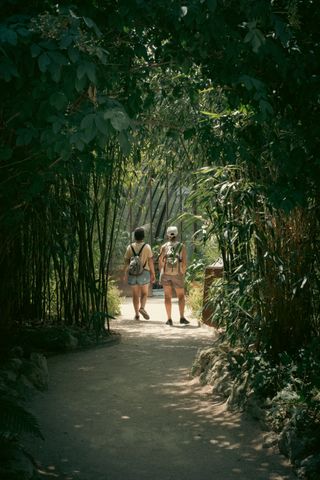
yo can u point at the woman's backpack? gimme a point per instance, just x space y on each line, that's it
172 258
135 264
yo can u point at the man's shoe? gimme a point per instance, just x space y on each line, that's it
169 322
184 321
144 313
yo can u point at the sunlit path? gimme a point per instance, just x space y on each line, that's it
133 412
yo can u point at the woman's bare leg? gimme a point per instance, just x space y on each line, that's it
136 292
144 295
167 299
181 300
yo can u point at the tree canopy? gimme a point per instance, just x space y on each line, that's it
81 82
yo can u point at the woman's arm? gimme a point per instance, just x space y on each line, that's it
126 266
125 272
151 268
161 260
183 259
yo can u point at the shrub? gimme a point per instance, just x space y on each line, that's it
114 299
195 299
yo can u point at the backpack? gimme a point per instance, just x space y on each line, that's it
172 258
135 265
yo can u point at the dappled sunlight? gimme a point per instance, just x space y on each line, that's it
136 406
155 328
210 423
46 472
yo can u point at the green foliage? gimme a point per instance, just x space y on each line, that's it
15 421
114 299
195 270
231 87
15 462
195 299
291 386
269 295
228 87
64 144
73 92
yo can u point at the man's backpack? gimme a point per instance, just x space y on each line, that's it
135 266
172 258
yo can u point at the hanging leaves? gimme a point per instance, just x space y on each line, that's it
118 118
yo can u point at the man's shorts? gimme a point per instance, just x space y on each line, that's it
176 281
142 279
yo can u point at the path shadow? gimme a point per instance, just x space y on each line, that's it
185 327
134 412
153 322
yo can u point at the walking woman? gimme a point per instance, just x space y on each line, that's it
139 272
173 265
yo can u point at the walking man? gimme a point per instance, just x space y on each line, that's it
139 272
173 265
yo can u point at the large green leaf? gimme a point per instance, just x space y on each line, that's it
44 61
254 36
35 50
8 35
81 83
212 5
58 100
24 136
251 83
58 58
91 24
101 123
89 129
74 54
118 118
78 140
66 41
88 121
55 70
8 70
5 153
124 143
87 69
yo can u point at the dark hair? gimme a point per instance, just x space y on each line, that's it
139 234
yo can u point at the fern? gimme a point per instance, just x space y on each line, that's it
16 420
15 462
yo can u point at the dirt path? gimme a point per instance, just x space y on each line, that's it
132 412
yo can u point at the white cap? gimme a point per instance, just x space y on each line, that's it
172 231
